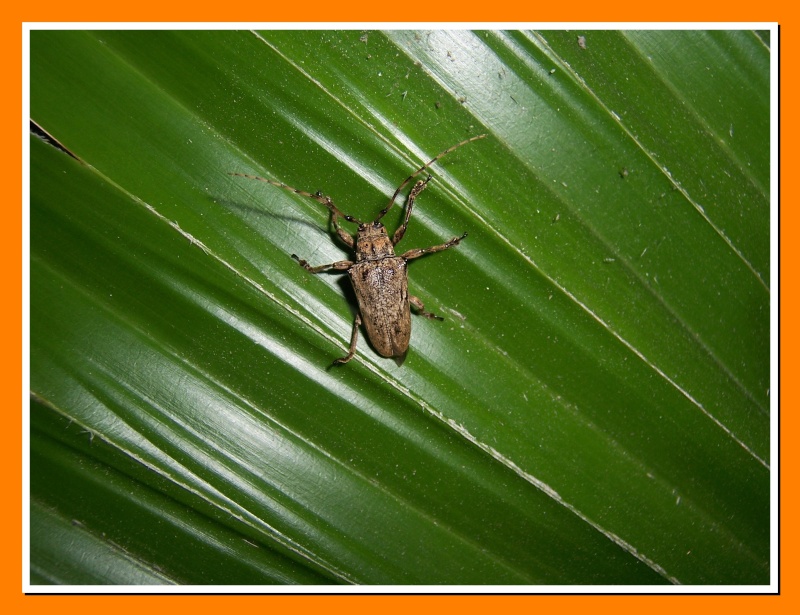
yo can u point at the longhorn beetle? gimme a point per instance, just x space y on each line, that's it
379 277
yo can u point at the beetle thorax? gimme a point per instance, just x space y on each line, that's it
372 242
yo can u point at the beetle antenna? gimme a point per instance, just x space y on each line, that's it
385 210
318 196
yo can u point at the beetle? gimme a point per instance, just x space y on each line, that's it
378 275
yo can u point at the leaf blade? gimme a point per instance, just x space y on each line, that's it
572 433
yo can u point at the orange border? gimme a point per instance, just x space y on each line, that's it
360 10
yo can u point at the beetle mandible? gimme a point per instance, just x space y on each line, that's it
378 275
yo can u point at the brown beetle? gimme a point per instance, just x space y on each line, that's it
379 276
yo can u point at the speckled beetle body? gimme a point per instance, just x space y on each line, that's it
378 275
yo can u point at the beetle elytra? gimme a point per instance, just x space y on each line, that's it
378 275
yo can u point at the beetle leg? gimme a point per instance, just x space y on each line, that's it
353 341
418 187
415 301
423 251
338 265
346 237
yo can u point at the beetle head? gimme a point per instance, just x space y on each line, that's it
372 242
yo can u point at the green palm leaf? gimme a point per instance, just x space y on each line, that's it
594 408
